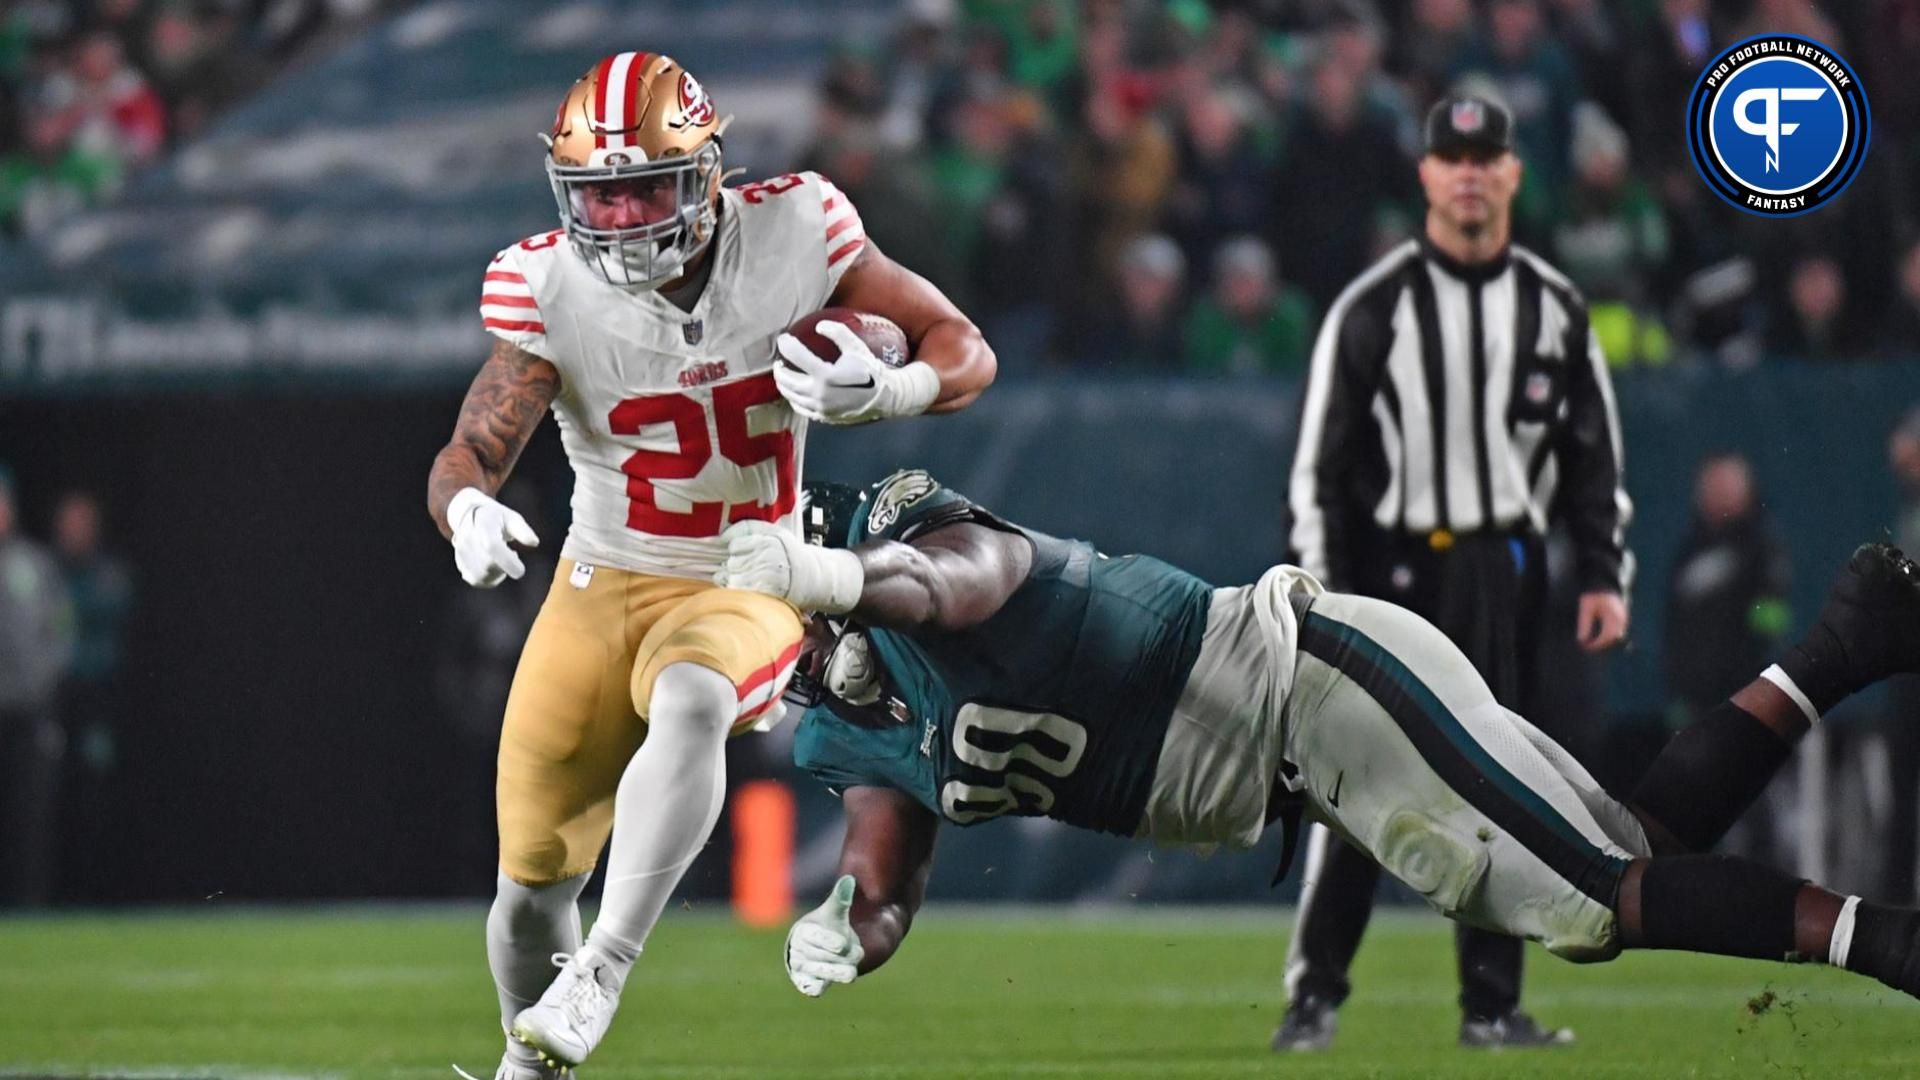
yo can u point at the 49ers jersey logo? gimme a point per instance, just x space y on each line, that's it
696 108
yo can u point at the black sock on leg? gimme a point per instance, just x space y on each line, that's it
1718 904
1709 773
1886 945
1818 666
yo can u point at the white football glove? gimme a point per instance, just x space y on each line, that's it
854 388
822 947
484 532
767 558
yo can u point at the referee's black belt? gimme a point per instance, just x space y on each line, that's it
1439 540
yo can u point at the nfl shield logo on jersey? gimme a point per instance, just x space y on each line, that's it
1539 387
694 331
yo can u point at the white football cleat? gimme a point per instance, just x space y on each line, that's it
516 1070
573 1015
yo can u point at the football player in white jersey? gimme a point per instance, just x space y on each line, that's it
650 324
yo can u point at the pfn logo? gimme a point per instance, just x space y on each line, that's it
1770 128
1778 125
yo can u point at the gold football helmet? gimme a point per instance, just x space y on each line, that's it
638 126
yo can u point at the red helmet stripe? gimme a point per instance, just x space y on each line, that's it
634 75
620 106
598 121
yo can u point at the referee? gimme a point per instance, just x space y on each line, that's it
1457 403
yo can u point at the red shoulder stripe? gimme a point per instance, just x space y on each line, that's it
534 325
505 275
508 301
847 249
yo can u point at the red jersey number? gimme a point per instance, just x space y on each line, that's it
753 193
689 419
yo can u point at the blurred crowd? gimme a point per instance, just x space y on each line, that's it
63 616
91 90
1182 185
1176 185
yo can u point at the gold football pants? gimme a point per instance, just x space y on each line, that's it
577 710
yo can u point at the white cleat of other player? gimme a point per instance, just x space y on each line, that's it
573 1015
515 1070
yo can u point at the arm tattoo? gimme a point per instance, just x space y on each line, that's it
504 407
502 410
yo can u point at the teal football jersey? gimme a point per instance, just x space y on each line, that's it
1056 706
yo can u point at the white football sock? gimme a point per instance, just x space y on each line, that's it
1842 941
668 800
528 924
1778 677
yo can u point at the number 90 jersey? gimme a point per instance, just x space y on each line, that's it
670 418
1058 705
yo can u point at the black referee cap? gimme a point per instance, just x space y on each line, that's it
1463 124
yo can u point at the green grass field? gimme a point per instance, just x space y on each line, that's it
381 992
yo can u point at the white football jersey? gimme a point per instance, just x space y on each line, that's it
671 419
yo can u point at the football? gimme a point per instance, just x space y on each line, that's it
881 334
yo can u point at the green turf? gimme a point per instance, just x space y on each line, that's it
399 993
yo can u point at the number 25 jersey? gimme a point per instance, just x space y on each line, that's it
671 419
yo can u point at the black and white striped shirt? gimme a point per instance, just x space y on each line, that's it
1459 398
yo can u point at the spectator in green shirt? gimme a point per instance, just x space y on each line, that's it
1251 323
967 171
1611 239
1042 37
53 178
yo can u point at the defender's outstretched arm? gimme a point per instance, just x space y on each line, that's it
951 578
889 853
884 863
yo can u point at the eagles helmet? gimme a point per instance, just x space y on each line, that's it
638 118
827 511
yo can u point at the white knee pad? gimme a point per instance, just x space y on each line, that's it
1579 929
691 699
1433 859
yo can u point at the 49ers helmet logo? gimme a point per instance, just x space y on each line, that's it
696 108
